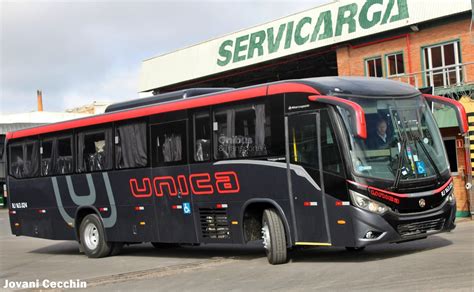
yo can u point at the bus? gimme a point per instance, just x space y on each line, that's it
282 165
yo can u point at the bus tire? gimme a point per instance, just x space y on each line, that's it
274 237
92 236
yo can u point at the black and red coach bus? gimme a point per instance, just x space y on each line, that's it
299 162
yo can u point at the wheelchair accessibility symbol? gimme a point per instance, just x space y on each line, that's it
187 208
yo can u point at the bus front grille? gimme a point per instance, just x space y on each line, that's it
406 230
214 223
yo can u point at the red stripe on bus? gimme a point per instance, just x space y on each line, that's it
290 87
457 104
359 112
163 108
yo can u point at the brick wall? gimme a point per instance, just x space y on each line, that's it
350 60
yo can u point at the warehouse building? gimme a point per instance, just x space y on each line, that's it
426 43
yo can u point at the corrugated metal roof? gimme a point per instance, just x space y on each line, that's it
4 128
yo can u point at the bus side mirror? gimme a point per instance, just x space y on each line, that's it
359 126
458 109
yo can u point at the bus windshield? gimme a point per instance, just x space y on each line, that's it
403 140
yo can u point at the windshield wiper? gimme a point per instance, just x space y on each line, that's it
430 159
398 175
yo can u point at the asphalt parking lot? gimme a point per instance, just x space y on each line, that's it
441 262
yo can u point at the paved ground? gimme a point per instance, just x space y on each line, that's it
441 262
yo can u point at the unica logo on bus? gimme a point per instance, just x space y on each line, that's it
350 18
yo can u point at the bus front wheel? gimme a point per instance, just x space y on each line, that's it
274 238
92 236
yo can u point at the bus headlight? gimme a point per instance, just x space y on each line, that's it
365 203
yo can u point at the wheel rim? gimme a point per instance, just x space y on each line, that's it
91 236
267 243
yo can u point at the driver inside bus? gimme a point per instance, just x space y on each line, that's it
380 139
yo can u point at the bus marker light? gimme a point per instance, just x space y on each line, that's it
12 212
341 203
142 223
341 222
310 204
177 207
42 211
139 208
103 209
235 222
17 224
221 206
70 224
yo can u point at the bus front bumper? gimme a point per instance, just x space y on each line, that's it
371 228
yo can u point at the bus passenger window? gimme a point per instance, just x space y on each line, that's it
169 143
64 160
131 145
46 152
240 131
31 167
16 160
202 137
24 160
94 150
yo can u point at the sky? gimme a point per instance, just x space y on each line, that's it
78 52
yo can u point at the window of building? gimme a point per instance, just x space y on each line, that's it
202 136
450 146
240 131
443 64
395 64
24 159
131 145
94 150
169 143
373 67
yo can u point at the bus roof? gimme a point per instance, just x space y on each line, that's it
363 86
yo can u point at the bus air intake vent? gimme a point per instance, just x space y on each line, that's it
411 229
214 223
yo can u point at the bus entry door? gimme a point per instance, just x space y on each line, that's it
306 184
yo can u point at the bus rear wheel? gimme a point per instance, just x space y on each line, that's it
92 237
274 238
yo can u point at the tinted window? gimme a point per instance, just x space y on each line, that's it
169 143
303 140
202 136
450 145
131 145
24 160
241 131
46 157
16 160
64 159
94 150
330 153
